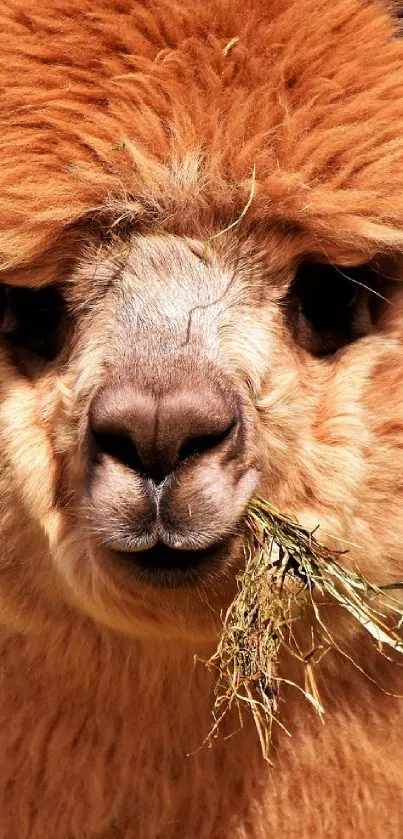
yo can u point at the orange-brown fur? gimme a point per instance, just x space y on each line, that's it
135 127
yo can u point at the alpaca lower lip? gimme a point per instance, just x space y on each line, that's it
166 566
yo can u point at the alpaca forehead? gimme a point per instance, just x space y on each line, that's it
165 275
153 276
169 297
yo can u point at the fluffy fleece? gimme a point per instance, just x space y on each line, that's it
116 114
155 109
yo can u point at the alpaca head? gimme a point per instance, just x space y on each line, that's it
151 383
169 383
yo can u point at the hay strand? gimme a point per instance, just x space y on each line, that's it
286 569
237 221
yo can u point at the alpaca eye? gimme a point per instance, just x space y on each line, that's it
330 306
32 321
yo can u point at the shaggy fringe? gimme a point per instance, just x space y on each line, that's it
121 112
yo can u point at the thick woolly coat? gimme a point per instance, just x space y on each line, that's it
117 113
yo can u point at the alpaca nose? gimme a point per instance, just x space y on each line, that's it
153 434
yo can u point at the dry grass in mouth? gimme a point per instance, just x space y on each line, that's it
286 568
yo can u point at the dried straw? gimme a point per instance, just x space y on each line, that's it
286 569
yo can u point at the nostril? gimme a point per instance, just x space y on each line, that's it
152 433
118 446
199 444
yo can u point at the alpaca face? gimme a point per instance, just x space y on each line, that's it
169 385
148 386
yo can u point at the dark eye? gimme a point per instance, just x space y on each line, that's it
33 321
330 306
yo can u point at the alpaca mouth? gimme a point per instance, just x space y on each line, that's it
171 567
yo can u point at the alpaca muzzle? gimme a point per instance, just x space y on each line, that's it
168 472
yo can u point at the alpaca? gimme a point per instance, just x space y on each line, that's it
200 253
